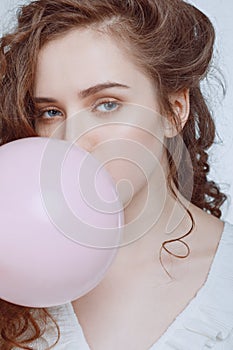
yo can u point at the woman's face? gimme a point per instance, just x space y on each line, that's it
88 91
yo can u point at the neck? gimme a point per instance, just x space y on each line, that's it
153 216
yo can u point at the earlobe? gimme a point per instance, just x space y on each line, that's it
180 103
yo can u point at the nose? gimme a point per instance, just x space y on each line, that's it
79 130
85 143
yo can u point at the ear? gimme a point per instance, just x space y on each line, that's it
180 103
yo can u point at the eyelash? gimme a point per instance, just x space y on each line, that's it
104 102
94 108
40 114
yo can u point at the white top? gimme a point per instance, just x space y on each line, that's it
206 323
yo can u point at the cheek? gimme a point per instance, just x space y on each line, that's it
130 155
55 129
128 176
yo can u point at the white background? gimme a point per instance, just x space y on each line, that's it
220 12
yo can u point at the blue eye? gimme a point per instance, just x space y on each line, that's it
48 114
51 113
106 107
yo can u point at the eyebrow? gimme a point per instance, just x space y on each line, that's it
87 92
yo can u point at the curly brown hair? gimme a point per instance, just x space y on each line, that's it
170 40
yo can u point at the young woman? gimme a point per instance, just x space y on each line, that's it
123 78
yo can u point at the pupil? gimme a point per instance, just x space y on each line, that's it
109 105
52 112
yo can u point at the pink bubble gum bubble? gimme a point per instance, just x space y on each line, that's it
61 222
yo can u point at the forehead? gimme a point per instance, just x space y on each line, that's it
85 53
81 59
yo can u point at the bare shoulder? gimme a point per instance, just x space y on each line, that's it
205 220
208 230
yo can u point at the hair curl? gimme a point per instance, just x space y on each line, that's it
170 40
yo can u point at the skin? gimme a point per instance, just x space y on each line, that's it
122 311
